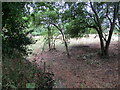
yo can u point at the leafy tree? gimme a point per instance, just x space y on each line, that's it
100 16
17 71
75 17
104 14
49 16
14 37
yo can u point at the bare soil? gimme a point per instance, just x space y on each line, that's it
84 69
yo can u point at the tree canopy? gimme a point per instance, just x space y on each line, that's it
23 20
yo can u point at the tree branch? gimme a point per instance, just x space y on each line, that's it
108 16
57 27
93 18
115 15
97 18
100 32
104 37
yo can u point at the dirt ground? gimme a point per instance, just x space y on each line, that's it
84 69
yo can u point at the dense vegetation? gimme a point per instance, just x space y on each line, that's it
17 71
21 21
75 20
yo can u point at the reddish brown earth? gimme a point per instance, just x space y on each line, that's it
85 69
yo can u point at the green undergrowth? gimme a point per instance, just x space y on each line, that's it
20 73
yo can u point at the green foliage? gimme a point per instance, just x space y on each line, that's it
76 20
73 19
19 73
74 29
81 85
14 36
116 31
92 31
30 85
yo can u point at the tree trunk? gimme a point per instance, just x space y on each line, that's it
108 43
99 30
49 38
54 45
66 46
101 43
63 36
106 51
116 8
105 48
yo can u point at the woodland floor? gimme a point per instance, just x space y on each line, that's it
85 69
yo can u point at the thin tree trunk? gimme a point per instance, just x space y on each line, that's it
54 41
49 38
99 30
101 42
116 8
66 46
63 36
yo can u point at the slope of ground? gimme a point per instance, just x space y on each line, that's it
85 69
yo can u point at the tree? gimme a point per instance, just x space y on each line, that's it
99 16
102 12
75 19
50 16
17 71
64 39
49 37
14 37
